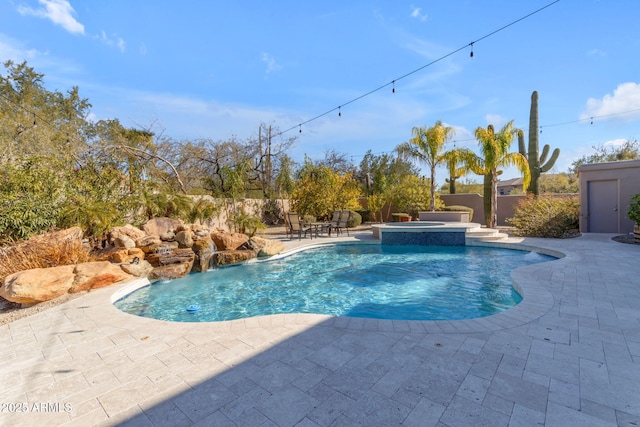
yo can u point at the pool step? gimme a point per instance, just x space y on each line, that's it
477 235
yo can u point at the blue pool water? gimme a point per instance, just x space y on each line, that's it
373 281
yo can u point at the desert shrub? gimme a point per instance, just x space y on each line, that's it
355 219
545 216
459 208
247 224
55 253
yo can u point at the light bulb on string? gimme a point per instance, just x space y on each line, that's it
393 89
300 128
339 112
471 53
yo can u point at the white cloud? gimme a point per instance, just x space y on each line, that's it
271 63
624 104
417 13
112 41
59 12
615 142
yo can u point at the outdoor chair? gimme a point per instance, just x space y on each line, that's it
297 226
333 224
342 223
287 226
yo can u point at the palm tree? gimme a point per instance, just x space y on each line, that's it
495 152
457 162
427 145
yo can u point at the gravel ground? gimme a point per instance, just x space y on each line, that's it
10 311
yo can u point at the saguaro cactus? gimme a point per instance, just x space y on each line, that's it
537 163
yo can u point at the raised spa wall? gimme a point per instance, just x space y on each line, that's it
449 216
422 233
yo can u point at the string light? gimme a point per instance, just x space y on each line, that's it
392 83
339 112
393 89
471 53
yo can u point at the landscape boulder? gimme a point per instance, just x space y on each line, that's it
184 238
94 275
161 226
203 250
266 247
142 268
232 257
38 284
134 233
171 264
226 241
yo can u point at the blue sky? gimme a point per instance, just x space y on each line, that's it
215 69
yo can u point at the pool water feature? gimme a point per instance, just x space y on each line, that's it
373 281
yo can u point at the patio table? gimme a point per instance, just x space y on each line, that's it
318 227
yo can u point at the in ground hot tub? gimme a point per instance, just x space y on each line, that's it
422 233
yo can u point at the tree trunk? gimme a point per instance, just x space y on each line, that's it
487 199
432 202
494 199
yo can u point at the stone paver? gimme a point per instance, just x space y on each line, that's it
569 354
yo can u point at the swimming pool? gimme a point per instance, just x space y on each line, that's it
374 281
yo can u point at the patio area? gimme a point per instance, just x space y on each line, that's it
569 354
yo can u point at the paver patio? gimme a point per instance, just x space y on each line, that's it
568 355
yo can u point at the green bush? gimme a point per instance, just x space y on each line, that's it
459 208
545 216
355 219
634 209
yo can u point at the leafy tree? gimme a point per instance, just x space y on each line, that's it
427 145
338 162
31 199
412 194
495 155
629 150
378 175
377 172
35 121
559 183
319 191
284 180
467 187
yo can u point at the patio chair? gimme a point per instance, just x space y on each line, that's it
333 224
287 226
296 226
342 223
